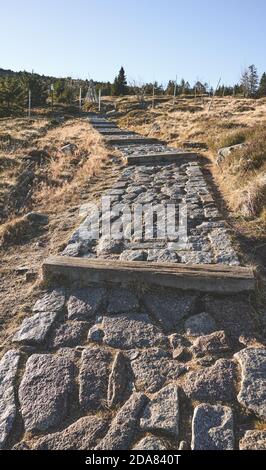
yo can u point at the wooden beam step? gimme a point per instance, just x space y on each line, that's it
99 125
115 132
205 278
160 158
130 141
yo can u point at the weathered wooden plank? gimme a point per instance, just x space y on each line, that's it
160 158
204 278
131 141
103 124
115 131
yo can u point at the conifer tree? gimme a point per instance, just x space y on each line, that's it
253 80
249 81
12 96
262 86
120 83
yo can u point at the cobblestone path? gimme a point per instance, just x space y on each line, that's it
160 185
123 366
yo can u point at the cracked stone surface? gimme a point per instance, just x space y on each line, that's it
131 331
84 303
36 328
94 374
153 367
82 435
122 301
215 343
231 315
118 384
8 372
51 302
212 428
200 324
45 391
69 334
150 443
215 383
162 412
169 308
123 429
252 393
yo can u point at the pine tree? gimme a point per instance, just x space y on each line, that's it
262 85
249 81
38 88
170 88
244 81
253 80
120 83
12 96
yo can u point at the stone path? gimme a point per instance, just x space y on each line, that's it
139 367
177 183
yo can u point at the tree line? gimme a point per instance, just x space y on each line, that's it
15 86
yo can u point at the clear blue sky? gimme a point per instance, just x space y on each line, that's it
152 39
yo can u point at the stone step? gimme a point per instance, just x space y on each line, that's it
204 278
160 158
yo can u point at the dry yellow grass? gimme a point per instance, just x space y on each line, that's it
58 181
66 173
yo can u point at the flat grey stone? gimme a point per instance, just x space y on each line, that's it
225 152
109 246
162 412
118 384
51 302
215 343
122 300
96 333
253 440
150 443
252 393
74 249
196 257
45 391
83 434
133 255
153 367
93 378
200 324
131 331
233 315
180 346
163 256
84 303
123 429
177 340
69 334
215 383
212 428
169 308
34 330
8 372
